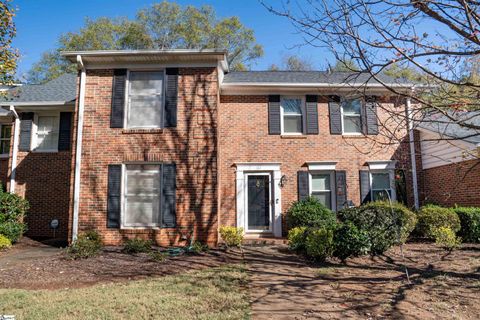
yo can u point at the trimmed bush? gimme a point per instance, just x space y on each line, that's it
446 238
5 243
470 223
13 230
310 213
386 225
87 245
296 238
319 243
198 247
137 246
232 236
432 217
349 241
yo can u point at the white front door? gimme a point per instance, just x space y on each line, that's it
258 202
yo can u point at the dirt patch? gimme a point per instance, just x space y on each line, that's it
32 265
442 286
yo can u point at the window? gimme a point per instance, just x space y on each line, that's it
46 132
145 99
292 119
5 135
351 116
321 188
381 187
142 196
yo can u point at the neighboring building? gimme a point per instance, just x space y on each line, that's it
451 160
171 142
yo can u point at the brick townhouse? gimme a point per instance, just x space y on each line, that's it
164 144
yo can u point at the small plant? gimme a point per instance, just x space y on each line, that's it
137 246
446 238
232 236
5 243
470 223
13 209
432 217
87 245
198 247
319 243
310 213
296 238
349 241
158 256
13 230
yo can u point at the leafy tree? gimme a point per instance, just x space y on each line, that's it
8 56
163 25
293 63
345 65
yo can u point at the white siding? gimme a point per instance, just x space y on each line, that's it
437 152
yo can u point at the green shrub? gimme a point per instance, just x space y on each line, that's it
198 247
137 246
5 243
470 223
296 238
446 238
232 236
432 217
13 230
319 243
349 241
386 225
158 256
87 245
310 213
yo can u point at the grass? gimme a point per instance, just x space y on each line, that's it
217 293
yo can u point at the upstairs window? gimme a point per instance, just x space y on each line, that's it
46 132
351 116
145 99
381 186
292 115
5 135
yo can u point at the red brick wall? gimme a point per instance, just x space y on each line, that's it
456 183
191 145
243 137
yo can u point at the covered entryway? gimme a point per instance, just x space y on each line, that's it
259 198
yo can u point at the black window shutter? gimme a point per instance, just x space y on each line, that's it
26 120
365 194
371 121
303 185
311 107
171 97
274 126
334 109
64 136
114 195
168 200
341 188
118 98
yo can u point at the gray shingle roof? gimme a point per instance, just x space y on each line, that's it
61 89
445 127
306 77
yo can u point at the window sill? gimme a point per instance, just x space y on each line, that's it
354 136
142 131
4 156
293 136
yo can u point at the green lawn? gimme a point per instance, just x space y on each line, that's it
218 293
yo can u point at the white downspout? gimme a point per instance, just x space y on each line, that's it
78 150
412 150
16 134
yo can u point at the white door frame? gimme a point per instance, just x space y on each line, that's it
243 169
270 202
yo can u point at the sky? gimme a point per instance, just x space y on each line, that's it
40 23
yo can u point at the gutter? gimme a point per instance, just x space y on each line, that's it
78 150
412 150
16 135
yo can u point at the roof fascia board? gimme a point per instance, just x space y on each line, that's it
36 103
93 66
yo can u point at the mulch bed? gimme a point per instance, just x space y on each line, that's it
55 271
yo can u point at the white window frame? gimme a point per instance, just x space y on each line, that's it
302 109
123 201
34 142
362 101
6 155
391 175
333 198
127 100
